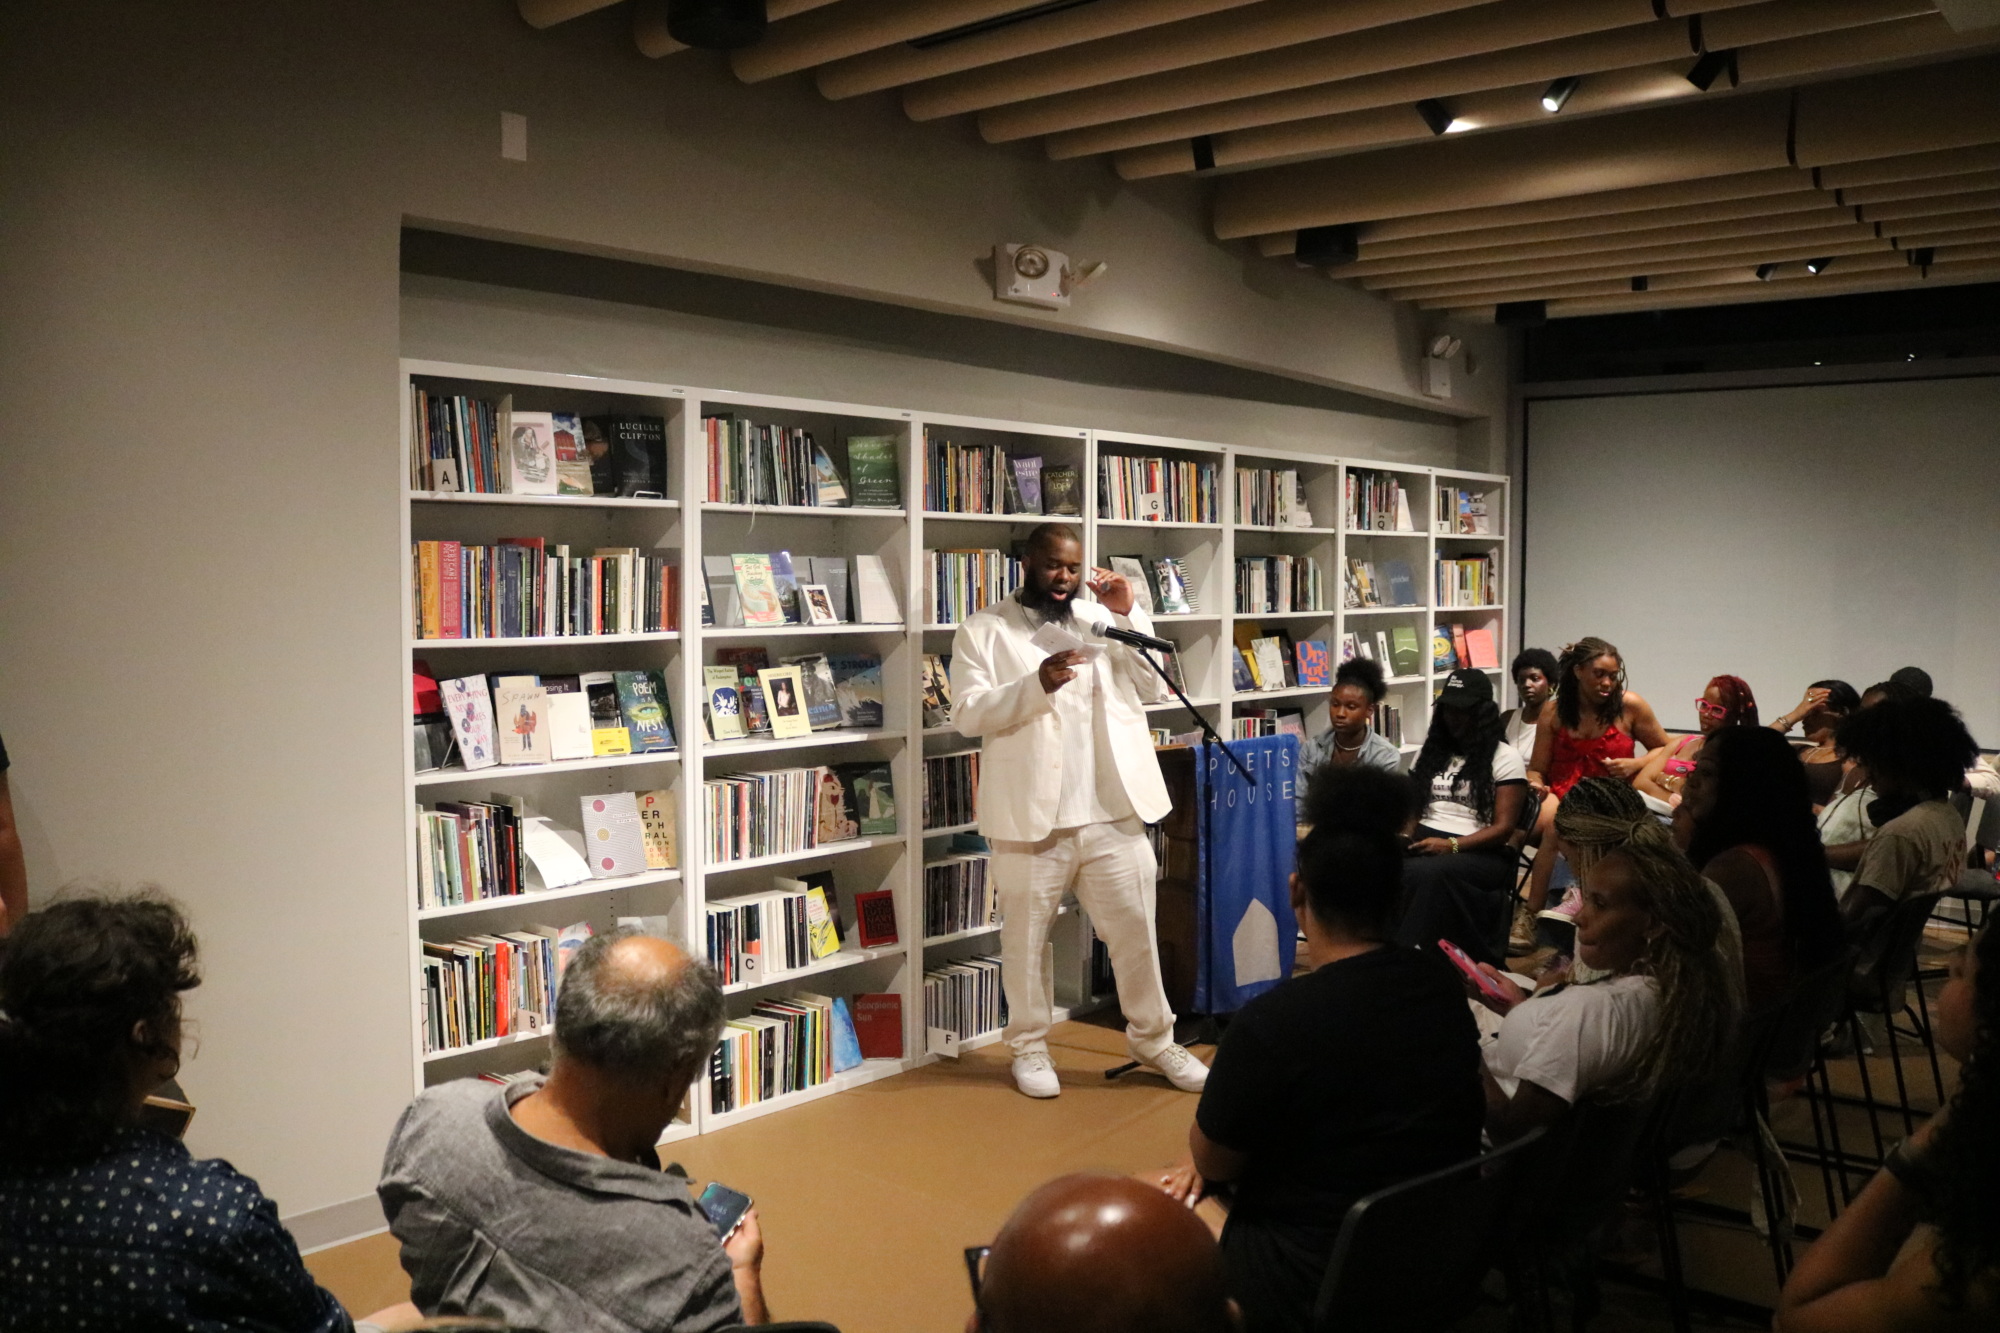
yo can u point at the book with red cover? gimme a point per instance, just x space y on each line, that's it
451 591
1480 643
875 918
878 1026
1458 645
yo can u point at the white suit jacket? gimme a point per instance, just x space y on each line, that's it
997 695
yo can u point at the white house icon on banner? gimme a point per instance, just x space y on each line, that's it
1255 945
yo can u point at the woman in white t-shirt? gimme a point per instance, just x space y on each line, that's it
1458 883
1667 1008
1534 672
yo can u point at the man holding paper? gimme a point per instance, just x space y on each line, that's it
1069 782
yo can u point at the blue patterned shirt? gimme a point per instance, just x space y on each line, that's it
144 1237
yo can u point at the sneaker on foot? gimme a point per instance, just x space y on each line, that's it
1565 911
1521 936
1035 1075
1179 1066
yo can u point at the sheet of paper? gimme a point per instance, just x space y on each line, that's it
1053 639
552 857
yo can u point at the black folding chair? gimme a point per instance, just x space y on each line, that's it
1884 987
1412 1256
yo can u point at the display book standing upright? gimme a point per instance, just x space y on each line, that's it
683 525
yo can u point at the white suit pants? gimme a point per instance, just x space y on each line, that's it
1110 868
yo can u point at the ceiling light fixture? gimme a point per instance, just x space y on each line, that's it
1764 272
1923 256
1435 114
716 25
1818 266
1444 345
1558 93
1710 67
1639 284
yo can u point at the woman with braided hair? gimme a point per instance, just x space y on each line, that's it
1664 1006
1593 733
1919 1248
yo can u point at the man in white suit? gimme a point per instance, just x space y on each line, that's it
1069 781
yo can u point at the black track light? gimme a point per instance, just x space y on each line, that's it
1639 284
1709 67
1923 256
1764 272
1521 314
1328 247
1558 93
715 25
1818 266
1435 115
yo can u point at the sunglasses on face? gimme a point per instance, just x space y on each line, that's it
1714 710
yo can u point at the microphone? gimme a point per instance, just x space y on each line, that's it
1132 638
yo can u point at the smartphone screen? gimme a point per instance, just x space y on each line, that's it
1472 972
724 1207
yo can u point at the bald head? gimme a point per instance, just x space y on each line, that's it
637 1007
1051 536
1104 1254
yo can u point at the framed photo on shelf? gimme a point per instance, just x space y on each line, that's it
785 701
818 600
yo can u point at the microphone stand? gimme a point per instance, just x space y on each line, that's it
1207 822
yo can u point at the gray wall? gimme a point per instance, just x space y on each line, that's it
199 231
1778 534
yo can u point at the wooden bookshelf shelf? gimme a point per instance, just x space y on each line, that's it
452 777
684 528
549 895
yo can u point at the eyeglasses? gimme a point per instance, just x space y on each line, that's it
975 1272
1714 710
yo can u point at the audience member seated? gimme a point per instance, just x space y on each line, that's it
1534 673
1667 1010
1459 881
1601 815
1727 702
1820 713
1747 823
1915 752
103 1224
1980 778
1360 1074
542 1202
1350 738
1593 733
1100 1254
1919 1248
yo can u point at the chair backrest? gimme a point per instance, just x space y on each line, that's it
1412 1256
1889 959
1815 1003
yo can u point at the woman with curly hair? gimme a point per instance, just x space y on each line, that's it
1919 1248
1350 740
1664 1009
1727 702
1593 733
1460 875
1747 821
90 1023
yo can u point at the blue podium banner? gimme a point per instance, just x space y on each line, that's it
1248 935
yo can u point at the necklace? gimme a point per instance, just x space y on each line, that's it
1348 749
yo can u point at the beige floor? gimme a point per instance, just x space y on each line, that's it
867 1198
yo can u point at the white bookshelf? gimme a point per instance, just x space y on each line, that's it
687 526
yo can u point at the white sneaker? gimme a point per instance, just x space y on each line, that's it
1035 1075
1179 1066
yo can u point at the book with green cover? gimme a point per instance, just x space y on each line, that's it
1060 493
871 467
642 697
757 589
1404 653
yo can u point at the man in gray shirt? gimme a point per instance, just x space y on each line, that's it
542 1203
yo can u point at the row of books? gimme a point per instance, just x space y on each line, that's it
753 938
1271 498
757 588
796 809
476 446
1389 722
959 895
1272 661
521 586
951 789
1461 513
1157 489
1395 647
1455 646
746 696
475 851
786 465
782 1045
1467 581
959 583
1160 584
965 997
487 986
1390 584
988 479
1272 583
467 722
1377 502
1251 723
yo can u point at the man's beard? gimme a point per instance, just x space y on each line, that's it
1052 610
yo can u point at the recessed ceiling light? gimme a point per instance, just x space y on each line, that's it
1559 93
1435 114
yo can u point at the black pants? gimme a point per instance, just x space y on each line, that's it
1464 897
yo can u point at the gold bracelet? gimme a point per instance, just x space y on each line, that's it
1454 845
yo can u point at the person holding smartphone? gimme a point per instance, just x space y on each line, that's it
1069 782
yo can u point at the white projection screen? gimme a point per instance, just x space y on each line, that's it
1780 534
